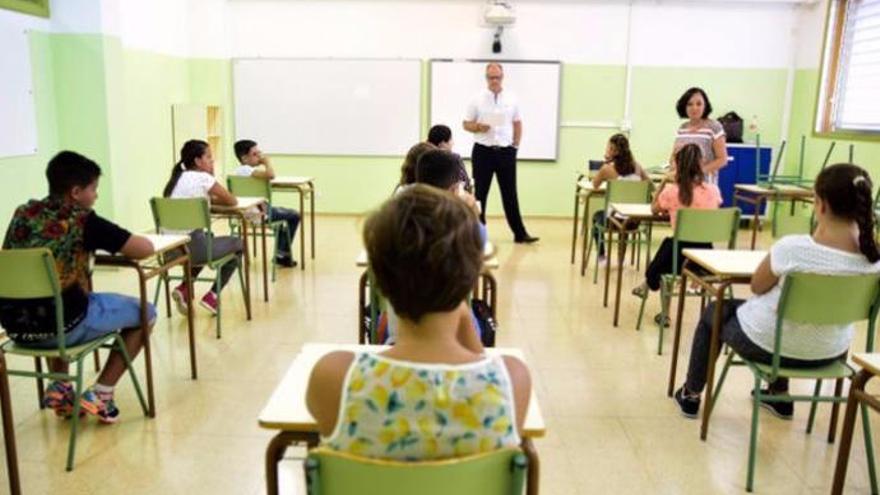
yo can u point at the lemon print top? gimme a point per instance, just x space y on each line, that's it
400 410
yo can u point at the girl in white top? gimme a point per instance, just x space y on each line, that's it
435 394
842 244
193 177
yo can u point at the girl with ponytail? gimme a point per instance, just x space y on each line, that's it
842 244
193 177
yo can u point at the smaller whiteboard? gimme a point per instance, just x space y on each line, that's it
454 84
328 106
18 120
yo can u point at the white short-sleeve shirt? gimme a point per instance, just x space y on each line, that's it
193 184
757 316
244 170
499 111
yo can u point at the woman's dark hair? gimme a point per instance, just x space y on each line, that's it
191 150
681 106
439 134
846 189
438 168
624 163
69 169
430 233
408 169
243 147
688 172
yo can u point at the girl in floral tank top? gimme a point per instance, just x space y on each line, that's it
434 394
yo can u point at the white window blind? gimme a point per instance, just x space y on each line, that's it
857 102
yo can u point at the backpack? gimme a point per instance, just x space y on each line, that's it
733 127
488 326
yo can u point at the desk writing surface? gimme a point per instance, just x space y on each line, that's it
737 263
244 203
868 361
587 185
286 409
161 243
633 210
290 180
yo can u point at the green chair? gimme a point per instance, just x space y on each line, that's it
30 274
258 188
692 225
620 191
496 473
819 300
188 214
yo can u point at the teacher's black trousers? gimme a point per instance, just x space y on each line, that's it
501 161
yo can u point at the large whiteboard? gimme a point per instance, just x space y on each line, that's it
454 85
328 106
18 121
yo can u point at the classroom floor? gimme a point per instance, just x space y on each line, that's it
611 428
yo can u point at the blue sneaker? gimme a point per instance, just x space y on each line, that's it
101 406
59 397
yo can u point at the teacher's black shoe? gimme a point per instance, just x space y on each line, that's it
526 240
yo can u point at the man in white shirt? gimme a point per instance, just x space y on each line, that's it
494 119
254 164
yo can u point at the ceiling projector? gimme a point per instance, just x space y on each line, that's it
499 13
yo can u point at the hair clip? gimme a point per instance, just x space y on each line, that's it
859 179
182 167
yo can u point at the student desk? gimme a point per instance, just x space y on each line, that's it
149 267
8 429
620 214
486 288
756 195
238 212
870 364
286 411
304 186
583 192
714 270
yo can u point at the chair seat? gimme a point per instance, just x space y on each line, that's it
11 347
837 369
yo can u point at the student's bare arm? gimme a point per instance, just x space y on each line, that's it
267 173
475 127
137 247
325 389
521 382
763 279
220 196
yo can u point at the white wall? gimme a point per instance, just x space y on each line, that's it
667 33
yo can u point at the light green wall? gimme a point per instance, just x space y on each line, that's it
867 151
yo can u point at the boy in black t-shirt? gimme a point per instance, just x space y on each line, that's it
65 223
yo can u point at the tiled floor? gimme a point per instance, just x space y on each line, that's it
611 428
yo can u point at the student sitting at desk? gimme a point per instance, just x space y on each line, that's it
619 165
690 190
842 244
408 169
66 224
441 136
193 177
435 394
250 158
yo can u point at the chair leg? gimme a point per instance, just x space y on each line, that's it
38 366
8 430
244 290
753 436
813 406
97 357
74 419
665 300
120 345
835 410
869 449
156 293
641 312
165 282
219 298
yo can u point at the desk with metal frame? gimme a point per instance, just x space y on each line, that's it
758 196
304 186
239 212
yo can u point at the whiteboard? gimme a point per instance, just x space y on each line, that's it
328 107
18 120
454 84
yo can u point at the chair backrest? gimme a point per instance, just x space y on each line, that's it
495 473
30 274
628 191
249 187
702 225
181 213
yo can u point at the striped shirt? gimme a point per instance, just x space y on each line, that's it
704 135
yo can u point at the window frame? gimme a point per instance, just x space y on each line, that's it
829 77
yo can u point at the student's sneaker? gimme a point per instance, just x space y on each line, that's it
285 261
641 291
209 302
179 295
688 405
666 321
782 410
110 413
59 397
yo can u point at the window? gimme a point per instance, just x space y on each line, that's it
849 98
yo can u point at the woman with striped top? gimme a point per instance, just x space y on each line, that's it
699 129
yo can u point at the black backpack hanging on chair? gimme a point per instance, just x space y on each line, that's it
733 127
